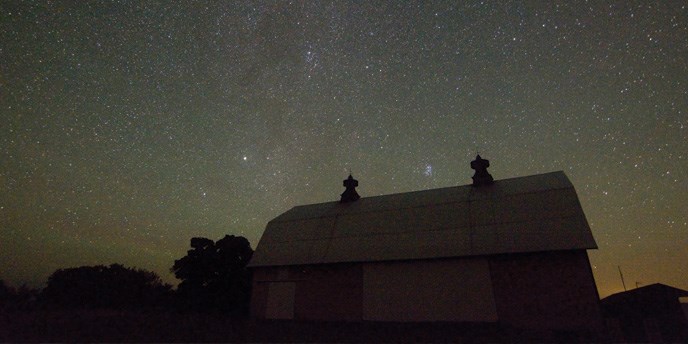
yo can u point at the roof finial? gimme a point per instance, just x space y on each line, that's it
481 176
350 194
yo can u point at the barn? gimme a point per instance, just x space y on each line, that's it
509 251
656 313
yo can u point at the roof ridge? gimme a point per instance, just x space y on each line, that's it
496 182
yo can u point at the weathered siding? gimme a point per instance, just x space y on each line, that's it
313 292
259 292
429 290
546 290
329 292
425 290
280 300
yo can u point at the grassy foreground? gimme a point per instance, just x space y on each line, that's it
166 326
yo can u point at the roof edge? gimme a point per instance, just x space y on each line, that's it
473 256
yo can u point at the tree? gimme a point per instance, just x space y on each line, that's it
23 298
214 275
99 286
6 292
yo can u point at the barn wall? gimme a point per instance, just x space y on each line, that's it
329 292
428 290
552 290
280 300
308 292
259 291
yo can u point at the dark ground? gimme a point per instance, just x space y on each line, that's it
153 326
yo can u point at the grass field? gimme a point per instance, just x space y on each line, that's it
165 326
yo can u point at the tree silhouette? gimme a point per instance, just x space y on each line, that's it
6 292
99 286
214 275
23 298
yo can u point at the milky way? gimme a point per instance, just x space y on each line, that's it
130 127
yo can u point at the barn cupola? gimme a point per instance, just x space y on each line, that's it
481 176
350 194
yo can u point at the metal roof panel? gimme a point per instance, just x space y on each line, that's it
527 214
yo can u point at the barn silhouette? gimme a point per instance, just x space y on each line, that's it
509 251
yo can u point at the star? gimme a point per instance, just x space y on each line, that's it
193 121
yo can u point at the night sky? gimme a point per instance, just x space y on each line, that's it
129 127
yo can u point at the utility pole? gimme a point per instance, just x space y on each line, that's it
622 279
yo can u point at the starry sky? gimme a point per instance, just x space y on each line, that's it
129 127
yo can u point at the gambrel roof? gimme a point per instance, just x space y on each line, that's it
526 214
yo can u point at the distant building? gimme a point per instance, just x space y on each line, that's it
653 313
509 251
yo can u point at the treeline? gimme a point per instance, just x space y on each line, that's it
213 276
